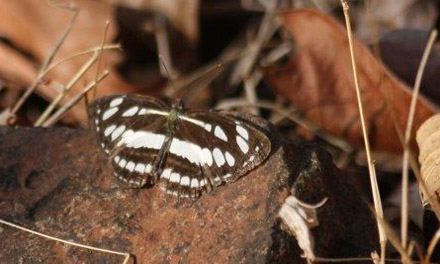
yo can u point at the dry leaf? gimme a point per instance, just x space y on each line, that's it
428 139
300 217
37 32
318 80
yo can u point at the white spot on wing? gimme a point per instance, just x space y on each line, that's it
187 150
148 168
143 139
116 159
140 167
242 131
244 147
165 174
122 163
218 157
185 181
208 127
218 132
230 159
194 183
131 111
109 130
116 101
227 176
109 113
117 132
143 111
202 182
206 156
175 177
130 166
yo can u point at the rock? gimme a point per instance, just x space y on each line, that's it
57 181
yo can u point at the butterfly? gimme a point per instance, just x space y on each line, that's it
187 151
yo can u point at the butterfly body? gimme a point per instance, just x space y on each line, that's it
187 151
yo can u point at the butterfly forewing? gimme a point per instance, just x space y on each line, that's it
122 123
203 149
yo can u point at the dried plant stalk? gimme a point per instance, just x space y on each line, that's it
126 255
409 126
371 169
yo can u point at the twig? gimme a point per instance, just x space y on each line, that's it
409 126
92 50
373 179
394 240
250 86
126 255
431 246
244 67
62 110
44 66
307 124
69 85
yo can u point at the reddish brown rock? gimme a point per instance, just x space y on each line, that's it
56 181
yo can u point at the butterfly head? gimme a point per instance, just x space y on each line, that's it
178 104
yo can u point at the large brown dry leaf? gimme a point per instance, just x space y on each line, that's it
318 80
34 26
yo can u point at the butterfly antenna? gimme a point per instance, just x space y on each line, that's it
170 80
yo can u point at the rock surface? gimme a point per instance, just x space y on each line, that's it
56 181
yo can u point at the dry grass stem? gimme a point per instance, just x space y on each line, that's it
44 66
62 110
394 239
409 126
82 53
373 179
267 29
431 246
126 255
250 89
292 116
69 85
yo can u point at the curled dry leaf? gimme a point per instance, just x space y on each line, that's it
300 217
428 139
318 80
37 32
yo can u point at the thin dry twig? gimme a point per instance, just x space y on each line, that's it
45 65
267 28
409 126
62 110
69 85
250 86
126 255
92 50
393 238
292 116
431 246
373 179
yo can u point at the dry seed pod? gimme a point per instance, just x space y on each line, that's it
428 139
